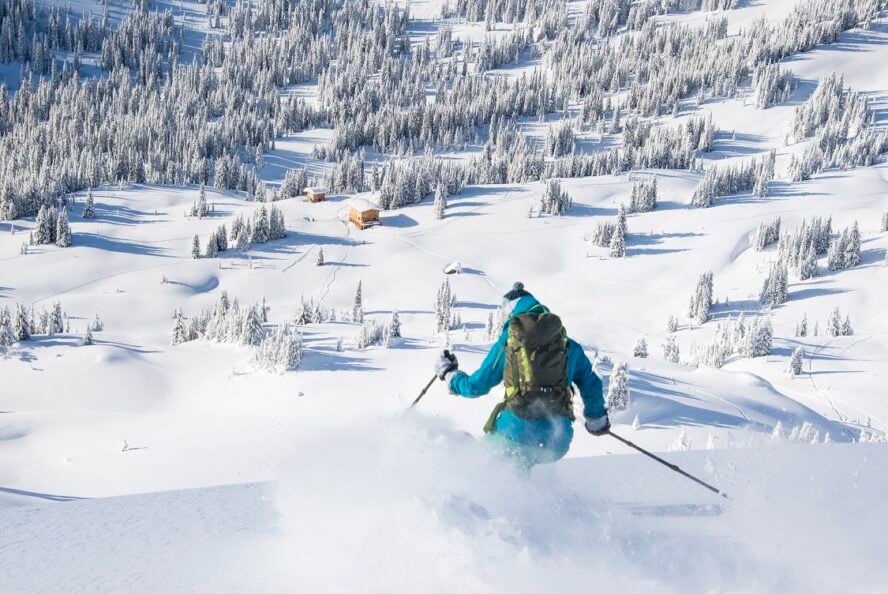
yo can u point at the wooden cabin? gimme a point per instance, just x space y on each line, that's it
363 213
316 194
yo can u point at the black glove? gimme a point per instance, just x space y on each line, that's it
446 363
598 426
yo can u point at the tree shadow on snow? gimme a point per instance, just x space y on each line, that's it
100 242
331 360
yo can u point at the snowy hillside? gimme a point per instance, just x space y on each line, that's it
176 316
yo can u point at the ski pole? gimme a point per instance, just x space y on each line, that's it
667 464
424 390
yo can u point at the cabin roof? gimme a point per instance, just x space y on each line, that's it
362 204
316 190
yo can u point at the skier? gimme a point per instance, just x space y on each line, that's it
538 364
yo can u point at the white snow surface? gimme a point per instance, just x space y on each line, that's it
407 504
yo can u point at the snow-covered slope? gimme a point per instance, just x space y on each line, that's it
399 505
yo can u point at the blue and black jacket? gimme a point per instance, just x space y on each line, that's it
554 434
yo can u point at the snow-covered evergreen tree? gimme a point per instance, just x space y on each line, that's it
758 338
320 259
618 243
179 334
554 200
618 388
795 362
670 349
440 201
643 197
251 328
834 323
357 311
847 329
21 326
394 326
63 229
195 247
767 234
7 336
202 209
444 307
701 300
775 289
802 326
641 349
89 209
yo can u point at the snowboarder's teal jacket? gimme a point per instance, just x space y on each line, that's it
552 435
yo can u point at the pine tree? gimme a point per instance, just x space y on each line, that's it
775 288
670 349
320 259
618 243
852 248
394 326
847 330
195 247
795 363
63 230
21 327
212 248
440 201
7 336
251 329
56 323
671 325
802 328
618 388
358 305
202 203
443 307
260 225
834 323
87 337
244 239
701 301
89 209
641 349
179 334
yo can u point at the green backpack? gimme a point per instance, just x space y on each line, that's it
535 372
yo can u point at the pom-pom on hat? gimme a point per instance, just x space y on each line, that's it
517 292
